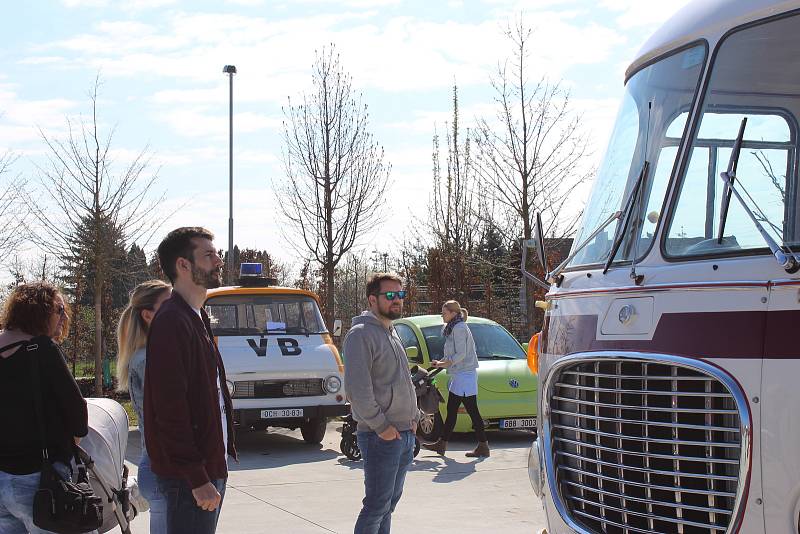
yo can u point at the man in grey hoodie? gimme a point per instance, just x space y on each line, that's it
382 400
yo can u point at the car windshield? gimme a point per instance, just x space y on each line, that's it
492 342
241 315
653 110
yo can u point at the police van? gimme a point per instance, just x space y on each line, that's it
282 367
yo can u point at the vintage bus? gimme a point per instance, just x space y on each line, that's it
669 395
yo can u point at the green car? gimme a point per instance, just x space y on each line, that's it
506 387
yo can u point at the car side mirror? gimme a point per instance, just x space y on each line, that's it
412 353
525 347
337 328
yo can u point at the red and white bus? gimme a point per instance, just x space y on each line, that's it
669 360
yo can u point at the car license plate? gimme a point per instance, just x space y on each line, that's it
285 412
529 422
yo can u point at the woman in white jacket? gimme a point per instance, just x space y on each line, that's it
461 362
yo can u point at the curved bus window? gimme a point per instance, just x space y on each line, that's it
754 76
657 99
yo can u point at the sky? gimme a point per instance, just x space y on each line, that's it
162 87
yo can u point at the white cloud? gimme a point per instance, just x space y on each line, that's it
199 122
635 13
84 3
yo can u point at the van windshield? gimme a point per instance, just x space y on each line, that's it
242 315
655 105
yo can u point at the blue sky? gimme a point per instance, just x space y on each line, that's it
162 84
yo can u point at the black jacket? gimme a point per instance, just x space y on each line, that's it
64 408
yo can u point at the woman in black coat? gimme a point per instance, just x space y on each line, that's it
34 314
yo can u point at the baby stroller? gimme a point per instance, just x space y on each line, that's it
428 399
103 452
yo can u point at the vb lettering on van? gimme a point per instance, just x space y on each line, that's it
288 346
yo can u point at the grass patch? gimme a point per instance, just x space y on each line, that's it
133 420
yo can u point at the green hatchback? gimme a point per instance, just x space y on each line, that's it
506 387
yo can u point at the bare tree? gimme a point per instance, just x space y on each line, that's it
336 177
529 156
14 214
454 212
89 209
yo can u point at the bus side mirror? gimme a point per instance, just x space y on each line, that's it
412 353
538 242
337 328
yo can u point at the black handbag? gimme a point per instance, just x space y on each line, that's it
61 506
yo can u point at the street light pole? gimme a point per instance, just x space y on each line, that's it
230 70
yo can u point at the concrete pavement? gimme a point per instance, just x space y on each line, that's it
282 485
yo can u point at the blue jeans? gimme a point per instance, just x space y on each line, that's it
385 466
148 485
183 514
16 501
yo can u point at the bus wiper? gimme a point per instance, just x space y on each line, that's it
619 236
552 277
787 261
731 174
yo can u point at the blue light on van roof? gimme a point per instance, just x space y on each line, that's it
251 269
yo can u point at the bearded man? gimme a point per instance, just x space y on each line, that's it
382 399
189 431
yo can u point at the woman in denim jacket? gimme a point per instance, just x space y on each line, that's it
461 362
134 324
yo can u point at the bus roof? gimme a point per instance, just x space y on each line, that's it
706 19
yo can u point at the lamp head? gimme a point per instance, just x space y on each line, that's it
229 69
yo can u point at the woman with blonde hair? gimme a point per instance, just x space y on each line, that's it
134 325
461 361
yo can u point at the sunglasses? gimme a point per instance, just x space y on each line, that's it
394 295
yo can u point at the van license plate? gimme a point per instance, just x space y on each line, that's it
518 423
285 412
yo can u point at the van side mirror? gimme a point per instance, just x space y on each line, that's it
412 353
337 328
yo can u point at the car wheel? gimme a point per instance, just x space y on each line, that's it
314 430
430 427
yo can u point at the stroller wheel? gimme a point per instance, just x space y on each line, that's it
350 449
416 446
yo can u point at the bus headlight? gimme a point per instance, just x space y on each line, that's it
332 384
535 471
231 387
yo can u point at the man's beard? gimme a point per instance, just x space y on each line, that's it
391 314
207 279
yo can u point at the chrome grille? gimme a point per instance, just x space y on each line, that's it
641 445
273 389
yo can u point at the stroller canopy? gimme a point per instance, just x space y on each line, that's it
107 440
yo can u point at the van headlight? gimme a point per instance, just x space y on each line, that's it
231 387
332 384
535 471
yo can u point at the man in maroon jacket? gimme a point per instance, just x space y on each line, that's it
187 407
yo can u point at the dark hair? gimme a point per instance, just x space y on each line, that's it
375 279
178 244
29 308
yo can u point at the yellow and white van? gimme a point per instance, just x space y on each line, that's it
282 366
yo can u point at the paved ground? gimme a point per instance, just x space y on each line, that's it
283 486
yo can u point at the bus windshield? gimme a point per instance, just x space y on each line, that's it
655 106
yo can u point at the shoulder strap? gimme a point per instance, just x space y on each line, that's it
33 354
12 345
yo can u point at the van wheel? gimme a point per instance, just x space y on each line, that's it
430 427
314 430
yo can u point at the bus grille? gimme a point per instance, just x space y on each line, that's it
274 389
645 446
